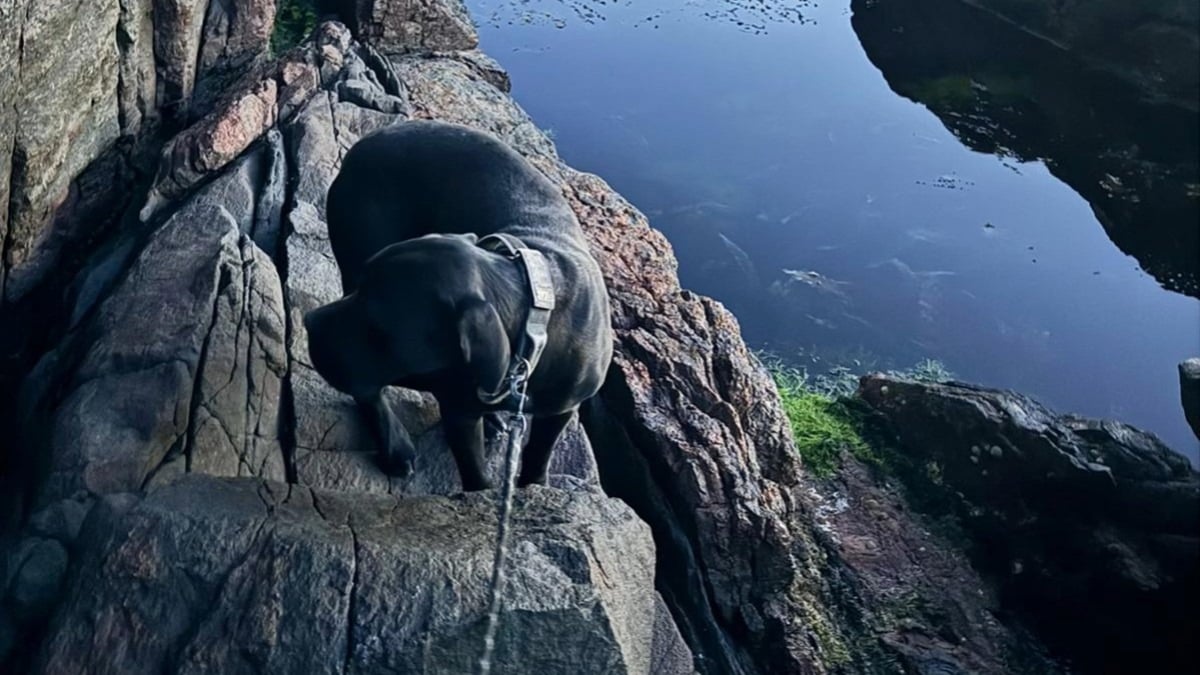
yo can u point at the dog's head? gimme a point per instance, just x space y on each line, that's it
419 308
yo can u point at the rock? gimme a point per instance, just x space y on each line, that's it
1189 392
137 94
1090 528
486 67
430 25
918 591
237 574
669 653
40 567
61 114
183 361
215 141
236 36
61 520
178 27
201 47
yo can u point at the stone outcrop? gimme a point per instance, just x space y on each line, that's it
183 356
1090 530
79 78
414 25
241 575
60 114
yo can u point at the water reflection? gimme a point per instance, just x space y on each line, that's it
752 16
845 225
1003 92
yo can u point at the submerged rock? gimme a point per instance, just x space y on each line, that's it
1089 529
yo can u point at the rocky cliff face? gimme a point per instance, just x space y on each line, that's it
1088 529
191 496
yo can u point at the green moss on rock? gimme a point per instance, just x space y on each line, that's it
823 427
294 20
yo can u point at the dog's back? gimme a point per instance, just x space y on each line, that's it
418 178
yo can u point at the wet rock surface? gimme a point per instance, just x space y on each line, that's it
1089 530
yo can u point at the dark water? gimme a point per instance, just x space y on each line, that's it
912 182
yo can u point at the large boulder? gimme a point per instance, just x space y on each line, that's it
412 25
240 575
179 366
1189 392
201 47
1089 529
79 78
61 113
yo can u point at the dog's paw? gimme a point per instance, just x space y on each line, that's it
477 485
395 465
531 476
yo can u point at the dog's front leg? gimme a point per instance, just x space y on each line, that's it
464 435
396 451
535 461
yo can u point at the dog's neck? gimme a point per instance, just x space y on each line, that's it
504 287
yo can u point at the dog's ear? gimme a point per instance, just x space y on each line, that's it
484 345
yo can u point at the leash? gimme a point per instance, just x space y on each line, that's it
516 433
540 286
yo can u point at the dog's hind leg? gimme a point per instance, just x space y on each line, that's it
464 435
535 461
396 450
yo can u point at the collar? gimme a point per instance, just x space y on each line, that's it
539 287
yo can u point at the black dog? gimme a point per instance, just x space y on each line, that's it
428 309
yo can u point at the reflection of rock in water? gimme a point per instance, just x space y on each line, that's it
754 16
1002 91
922 288
719 266
808 279
738 258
